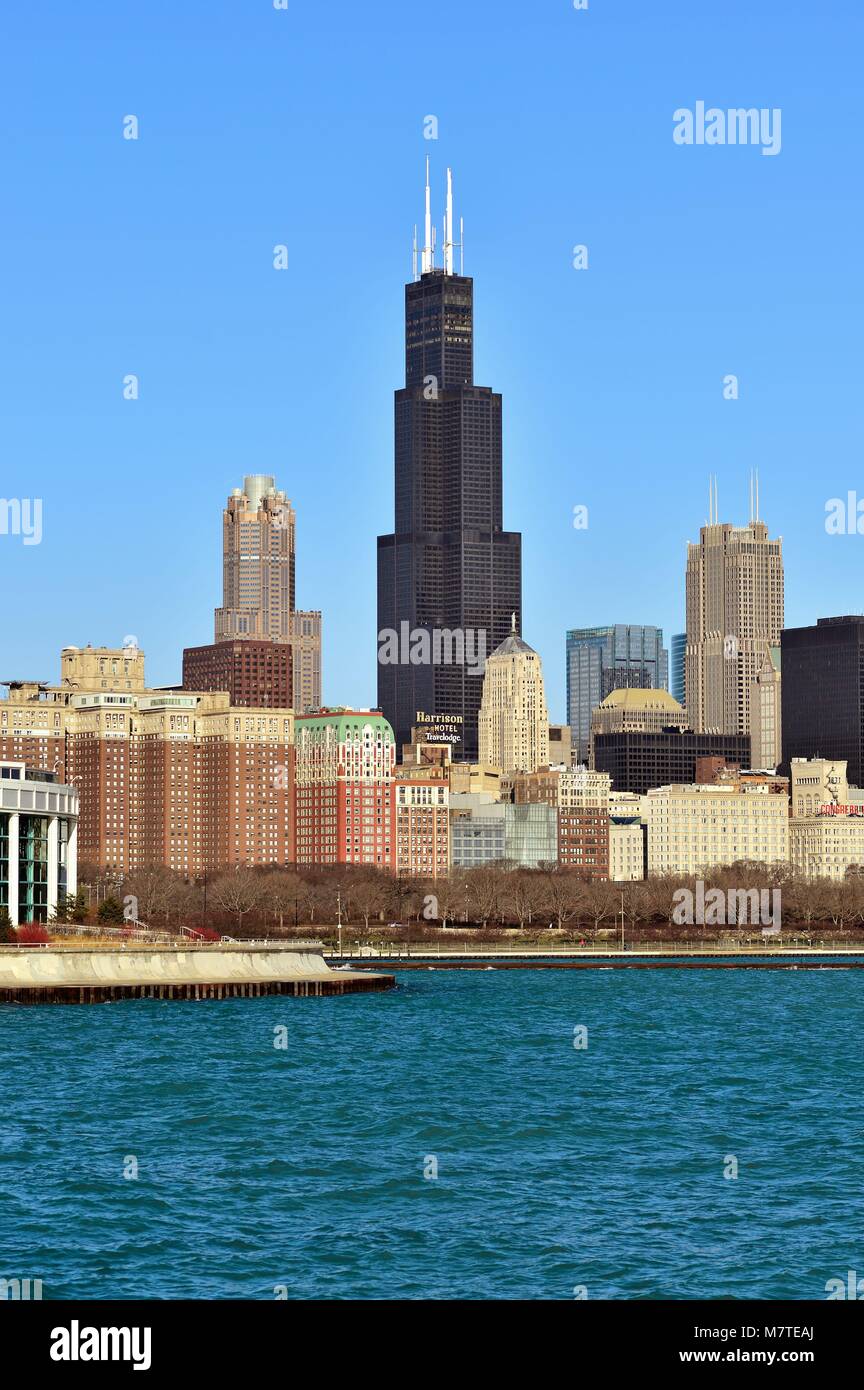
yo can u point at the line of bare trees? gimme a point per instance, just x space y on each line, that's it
244 902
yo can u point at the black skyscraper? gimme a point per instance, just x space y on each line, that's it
449 571
822 693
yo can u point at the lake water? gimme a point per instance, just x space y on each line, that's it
264 1171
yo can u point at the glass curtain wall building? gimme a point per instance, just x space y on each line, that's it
38 843
603 659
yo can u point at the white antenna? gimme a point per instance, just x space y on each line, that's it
710 500
414 254
448 227
428 245
461 246
716 504
757 494
751 496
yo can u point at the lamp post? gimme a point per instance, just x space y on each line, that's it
339 918
622 921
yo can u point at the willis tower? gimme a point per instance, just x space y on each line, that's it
449 577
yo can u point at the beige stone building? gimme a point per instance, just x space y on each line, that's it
306 660
828 845
626 851
694 828
816 783
471 778
637 711
734 592
513 723
765 706
258 529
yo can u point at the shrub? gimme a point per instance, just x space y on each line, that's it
32 934
110 910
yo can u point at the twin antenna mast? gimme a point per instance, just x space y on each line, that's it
427 253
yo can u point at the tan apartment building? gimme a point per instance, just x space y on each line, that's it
175 778
693 828
422 821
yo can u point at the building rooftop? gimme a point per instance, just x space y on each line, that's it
637 698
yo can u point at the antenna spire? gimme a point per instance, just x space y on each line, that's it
426 259
448 227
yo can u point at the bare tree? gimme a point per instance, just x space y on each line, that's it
239 893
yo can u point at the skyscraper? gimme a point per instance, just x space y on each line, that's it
823 693
603 659
514 720
449 577
257 562
258 546
734 617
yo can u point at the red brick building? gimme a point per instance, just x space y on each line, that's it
258 674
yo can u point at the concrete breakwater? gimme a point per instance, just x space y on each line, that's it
46 976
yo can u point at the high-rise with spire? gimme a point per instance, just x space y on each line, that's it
449 576
734 617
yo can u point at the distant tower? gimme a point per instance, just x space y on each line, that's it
449 566
734 616
514 720
257 562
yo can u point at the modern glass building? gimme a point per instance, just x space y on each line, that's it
677 684
38 843
603 659
822 693
483 831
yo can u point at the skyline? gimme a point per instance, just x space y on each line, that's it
155 257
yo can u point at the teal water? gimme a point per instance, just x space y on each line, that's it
304 1168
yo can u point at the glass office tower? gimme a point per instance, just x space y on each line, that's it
603 659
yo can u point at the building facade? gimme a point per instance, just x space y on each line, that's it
637 712
252 672
823 693
38 843
449 567
484 832
827 845
638 761
179 779
306 656
734 590
766 713
344 772
677 668
603 659
422 821
513 718
258 530
695 828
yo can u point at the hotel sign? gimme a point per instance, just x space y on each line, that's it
439 728
833 810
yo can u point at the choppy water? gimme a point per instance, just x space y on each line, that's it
304 1168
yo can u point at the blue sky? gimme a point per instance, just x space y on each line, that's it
305 127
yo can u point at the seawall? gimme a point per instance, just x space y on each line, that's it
43 975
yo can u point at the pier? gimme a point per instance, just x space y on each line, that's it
63 975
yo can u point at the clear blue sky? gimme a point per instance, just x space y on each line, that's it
305 127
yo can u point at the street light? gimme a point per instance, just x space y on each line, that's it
339 917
